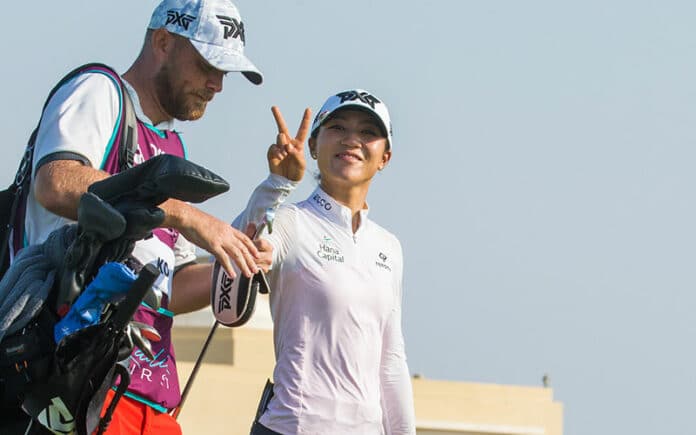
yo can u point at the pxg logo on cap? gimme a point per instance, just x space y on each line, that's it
232 27
364 97
178 19
358 99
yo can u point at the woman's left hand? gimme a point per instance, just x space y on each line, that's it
265 258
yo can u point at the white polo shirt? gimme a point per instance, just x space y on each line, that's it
78 124
336 306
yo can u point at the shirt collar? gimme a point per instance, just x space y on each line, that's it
165 125
338 213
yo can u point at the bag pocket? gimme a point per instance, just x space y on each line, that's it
25 358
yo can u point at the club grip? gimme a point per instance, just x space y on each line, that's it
146 278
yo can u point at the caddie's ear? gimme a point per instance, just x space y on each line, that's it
161 42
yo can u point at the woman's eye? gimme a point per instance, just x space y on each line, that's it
336 127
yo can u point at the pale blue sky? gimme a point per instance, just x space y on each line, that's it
541 183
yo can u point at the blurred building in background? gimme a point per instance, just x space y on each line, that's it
225 393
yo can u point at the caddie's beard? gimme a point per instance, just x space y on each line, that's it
178 103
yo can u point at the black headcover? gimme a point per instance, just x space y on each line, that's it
119 210
159 178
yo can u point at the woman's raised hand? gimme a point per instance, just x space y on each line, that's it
286 155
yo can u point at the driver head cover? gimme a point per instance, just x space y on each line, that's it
233 299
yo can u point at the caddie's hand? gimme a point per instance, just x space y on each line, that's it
224 242
286 155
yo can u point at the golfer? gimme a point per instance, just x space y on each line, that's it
336 282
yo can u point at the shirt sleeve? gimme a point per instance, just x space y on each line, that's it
397 391
283 236
270 194
184 252
79 121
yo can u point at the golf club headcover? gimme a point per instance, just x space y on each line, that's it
97 222
233 300
162 177
98 217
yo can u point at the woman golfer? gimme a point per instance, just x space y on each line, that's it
335 282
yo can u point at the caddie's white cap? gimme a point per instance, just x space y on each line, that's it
214 27
358 99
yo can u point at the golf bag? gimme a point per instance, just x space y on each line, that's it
62 386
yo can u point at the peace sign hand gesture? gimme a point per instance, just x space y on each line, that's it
286 156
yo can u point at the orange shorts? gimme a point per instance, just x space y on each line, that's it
134 418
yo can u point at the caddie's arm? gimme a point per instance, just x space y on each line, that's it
59 184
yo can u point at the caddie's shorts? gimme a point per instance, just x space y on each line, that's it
134 418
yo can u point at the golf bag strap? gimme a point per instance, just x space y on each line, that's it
129 132
13 240
119 392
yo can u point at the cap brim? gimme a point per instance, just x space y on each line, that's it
228 60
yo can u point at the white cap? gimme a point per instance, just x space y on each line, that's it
358 99
214 27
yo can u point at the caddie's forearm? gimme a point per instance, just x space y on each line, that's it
178 214
60 184
191 288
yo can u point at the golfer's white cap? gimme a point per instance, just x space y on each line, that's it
214 27
357 99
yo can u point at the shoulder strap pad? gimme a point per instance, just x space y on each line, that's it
129 131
